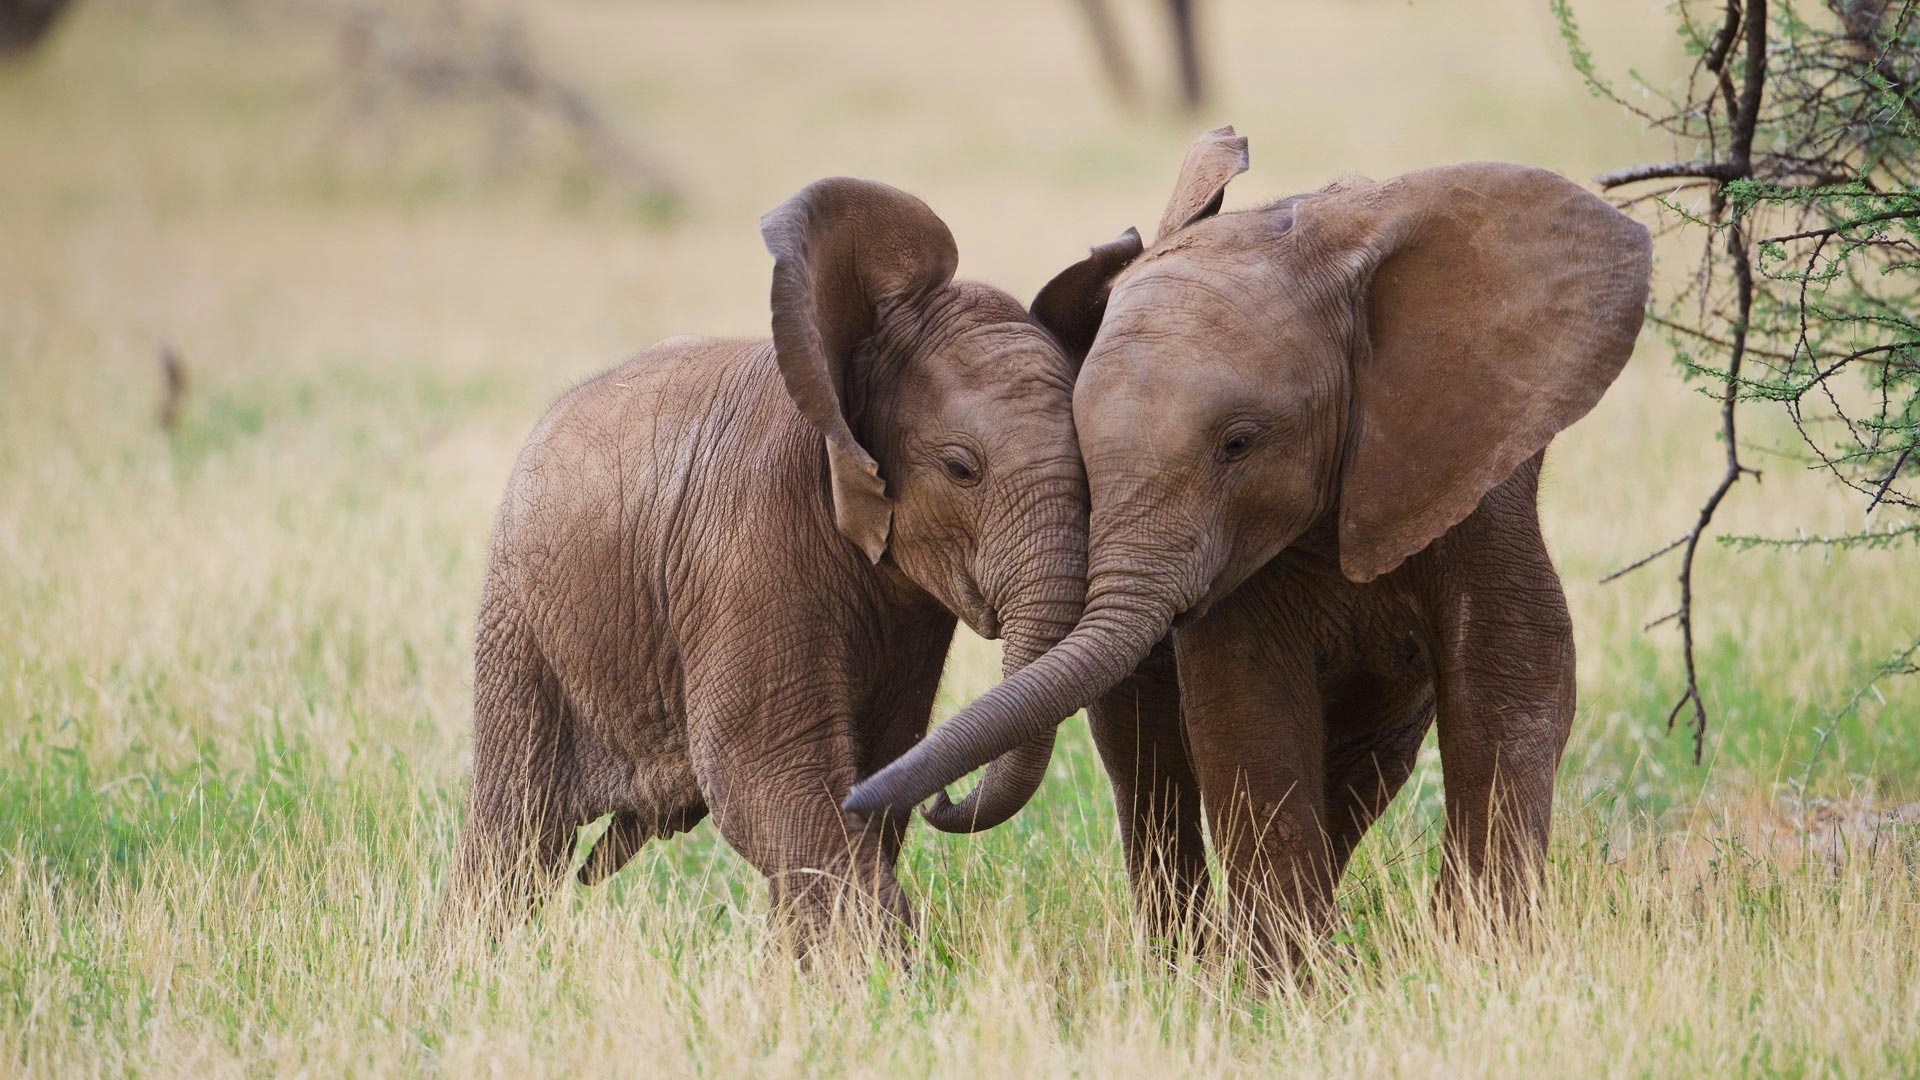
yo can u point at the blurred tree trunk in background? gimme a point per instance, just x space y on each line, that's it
24 24
1118 66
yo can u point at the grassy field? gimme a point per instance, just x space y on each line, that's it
234 659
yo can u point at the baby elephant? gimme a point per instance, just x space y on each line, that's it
725 574
1313 433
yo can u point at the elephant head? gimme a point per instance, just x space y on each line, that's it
946 412
1348 371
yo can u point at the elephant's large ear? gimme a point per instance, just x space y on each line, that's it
1212 160
1500 302
1074 302
843 249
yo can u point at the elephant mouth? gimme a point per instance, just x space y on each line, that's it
980 616
1191 615
1198 611
1223 585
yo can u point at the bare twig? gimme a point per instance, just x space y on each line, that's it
1845 226
1647 558
1703 170
1745 119
1743 270
1710 339
1723 39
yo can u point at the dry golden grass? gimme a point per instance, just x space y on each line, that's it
234 661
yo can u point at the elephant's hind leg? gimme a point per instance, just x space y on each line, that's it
1374 732
829 874
518 835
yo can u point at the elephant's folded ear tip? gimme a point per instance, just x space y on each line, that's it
875 547
1360 566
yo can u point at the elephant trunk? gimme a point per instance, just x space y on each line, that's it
1125 617
1030 629
1045 582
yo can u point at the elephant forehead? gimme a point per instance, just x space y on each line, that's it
1015 356
1005 340
1219 301
1170 355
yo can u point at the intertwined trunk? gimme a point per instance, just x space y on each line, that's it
1126 615
1048 603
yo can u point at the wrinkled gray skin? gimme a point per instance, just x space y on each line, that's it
1312 433
726 574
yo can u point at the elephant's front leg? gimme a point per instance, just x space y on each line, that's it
1505 682
1256 737
1136 725
774 780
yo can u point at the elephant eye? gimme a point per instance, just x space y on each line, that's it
961 470
1235 446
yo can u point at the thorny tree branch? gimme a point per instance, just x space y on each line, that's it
1699 170
1835 230
1746 18
1817 126
1729 398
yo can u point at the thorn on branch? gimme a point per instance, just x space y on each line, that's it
1887 480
